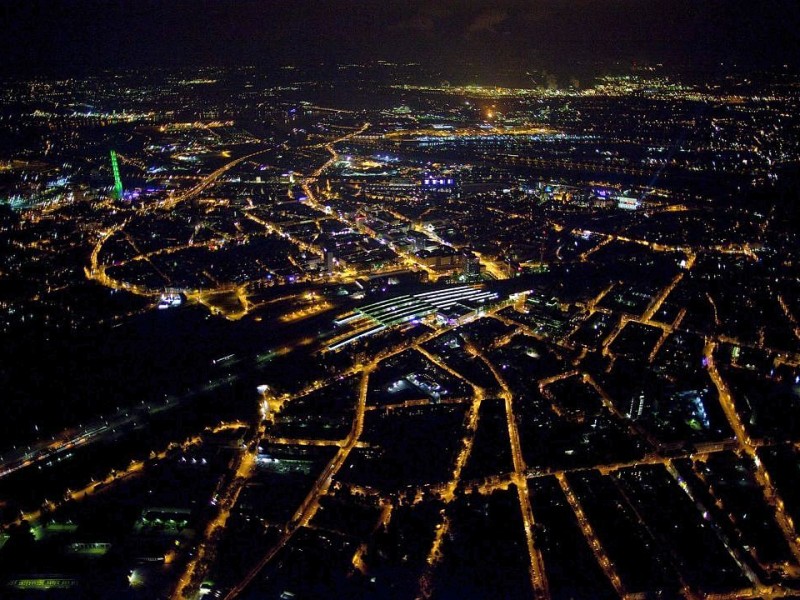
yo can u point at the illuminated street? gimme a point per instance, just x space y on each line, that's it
433 300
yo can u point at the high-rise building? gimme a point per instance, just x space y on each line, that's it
637 406
472 265
117 179
330 261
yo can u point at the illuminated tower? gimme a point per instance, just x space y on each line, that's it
117 179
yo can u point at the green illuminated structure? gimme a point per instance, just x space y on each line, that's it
117 179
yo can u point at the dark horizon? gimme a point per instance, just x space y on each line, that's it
555 35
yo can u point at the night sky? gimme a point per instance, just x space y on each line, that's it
558 35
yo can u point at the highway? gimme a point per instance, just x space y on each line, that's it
85 435
136 467
209 180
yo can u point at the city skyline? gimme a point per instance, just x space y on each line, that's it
406 300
